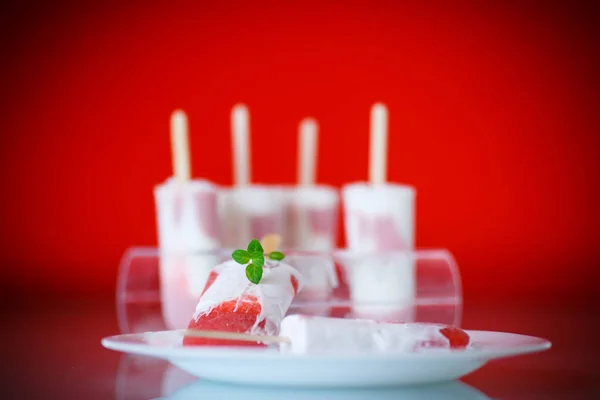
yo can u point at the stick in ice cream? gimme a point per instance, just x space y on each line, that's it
307 156
270 242
240 128
248 211
380 218
180 146
187 226
301 334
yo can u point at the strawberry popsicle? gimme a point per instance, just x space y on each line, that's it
187 231
380 217
321 335
314 208
247 211
244 300
312 212
314 218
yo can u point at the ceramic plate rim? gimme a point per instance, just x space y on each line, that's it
492 351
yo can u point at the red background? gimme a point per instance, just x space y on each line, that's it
493 117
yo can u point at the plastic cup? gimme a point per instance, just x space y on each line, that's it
436 296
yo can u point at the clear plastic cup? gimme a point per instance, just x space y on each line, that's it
320 279
183 277
431 294
138 291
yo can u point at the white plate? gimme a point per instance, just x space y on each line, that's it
268 367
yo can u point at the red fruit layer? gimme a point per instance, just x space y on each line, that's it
238 315
458 338
294 284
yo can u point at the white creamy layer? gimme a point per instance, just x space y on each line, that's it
301 202
365 203
318 197
381 284
238 207
274 292
377 199
180 210
322 335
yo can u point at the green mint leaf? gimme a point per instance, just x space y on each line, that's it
254 273
276 255
241 256
255 247
258 259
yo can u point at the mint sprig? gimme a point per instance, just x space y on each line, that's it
258 259
255 247
241 256
254 257
254 273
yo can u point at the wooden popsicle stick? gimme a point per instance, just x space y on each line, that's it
378 145
307 151
240 129
180 146
234 336
270 242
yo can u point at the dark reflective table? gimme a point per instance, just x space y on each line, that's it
53 351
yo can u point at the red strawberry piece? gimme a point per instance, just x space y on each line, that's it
458 338
294 284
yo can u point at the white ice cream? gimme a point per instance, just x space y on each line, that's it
382 286
250 212
186 216
380 219
313 225
368 208
321 335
